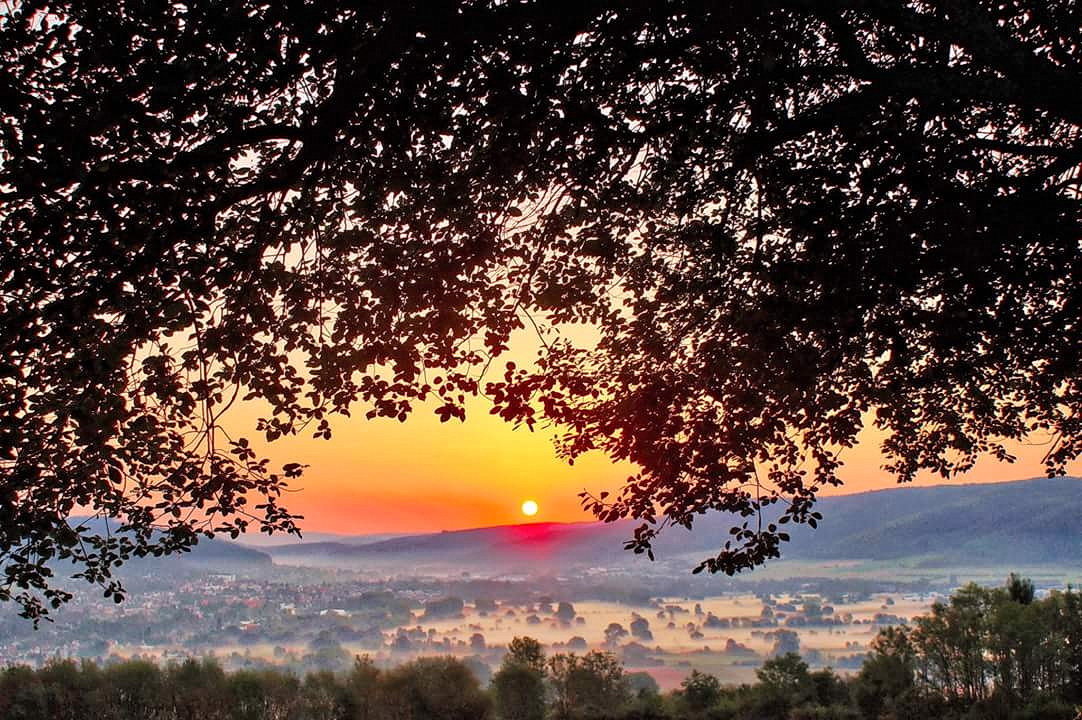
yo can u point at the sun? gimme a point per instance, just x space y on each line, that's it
529 508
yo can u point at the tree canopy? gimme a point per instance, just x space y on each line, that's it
785 220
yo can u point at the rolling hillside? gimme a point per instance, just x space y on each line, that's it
212 554
1026 522
1034 521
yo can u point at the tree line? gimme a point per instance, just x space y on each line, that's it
996 653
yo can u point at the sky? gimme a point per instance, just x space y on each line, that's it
386 476
422 475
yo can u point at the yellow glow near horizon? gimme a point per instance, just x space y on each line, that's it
423 475
529 508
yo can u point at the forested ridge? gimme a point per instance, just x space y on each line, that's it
986 653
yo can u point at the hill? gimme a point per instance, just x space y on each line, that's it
256 539
534 547
1028 522
209 553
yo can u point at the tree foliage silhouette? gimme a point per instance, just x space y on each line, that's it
785 219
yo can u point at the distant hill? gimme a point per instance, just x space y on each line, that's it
1017 523
1026 522
209 553
1023 522
532 547
261 540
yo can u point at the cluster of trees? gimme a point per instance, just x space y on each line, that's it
995 653
434 687
828 214
998 653
529 686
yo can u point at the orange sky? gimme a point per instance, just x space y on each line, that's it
422 475
381 475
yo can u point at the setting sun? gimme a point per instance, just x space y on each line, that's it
529 508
